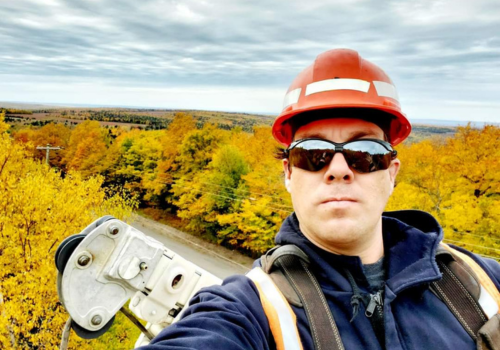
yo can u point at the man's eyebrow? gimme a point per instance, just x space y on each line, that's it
359 134
313 136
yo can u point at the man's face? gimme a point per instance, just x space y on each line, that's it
337 207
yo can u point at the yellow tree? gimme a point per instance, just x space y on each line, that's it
423 182
471 215
54 134
265 203
171 141
196 152
134 160
38 209
3 125
458 181
87 148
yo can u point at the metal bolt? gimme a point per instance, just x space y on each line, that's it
143 266
83 260
113 230
96 320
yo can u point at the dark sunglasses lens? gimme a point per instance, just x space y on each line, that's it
367 156
311 155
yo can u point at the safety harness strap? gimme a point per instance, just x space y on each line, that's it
324 331
459 301
482 276
470 295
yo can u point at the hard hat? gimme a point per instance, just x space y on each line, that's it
340 78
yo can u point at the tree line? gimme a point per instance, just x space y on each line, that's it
227 186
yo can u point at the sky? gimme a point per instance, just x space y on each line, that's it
234 55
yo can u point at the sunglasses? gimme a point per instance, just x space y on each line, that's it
362 155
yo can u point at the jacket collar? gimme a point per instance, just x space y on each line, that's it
411 238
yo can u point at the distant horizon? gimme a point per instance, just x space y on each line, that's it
37 105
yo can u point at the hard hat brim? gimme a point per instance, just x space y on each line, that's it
399 126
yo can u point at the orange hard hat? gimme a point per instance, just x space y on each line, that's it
340 78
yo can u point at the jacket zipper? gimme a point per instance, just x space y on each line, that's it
376 302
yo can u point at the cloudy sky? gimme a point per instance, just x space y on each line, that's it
234 55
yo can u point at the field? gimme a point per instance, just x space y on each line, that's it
148 119
157 119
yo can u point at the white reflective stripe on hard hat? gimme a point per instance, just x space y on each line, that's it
487 303
386 90
286 321
291 97
337 84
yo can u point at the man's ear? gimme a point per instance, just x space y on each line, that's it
288 174
393 171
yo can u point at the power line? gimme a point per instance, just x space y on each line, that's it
233 199
483 255
239 196
474 235
488 256
289 212
241 200
235 188
474 245
253 199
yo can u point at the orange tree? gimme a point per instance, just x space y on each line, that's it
54 134
87 148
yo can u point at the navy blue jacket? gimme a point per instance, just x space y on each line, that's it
231 316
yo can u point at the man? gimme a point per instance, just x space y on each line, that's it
340 120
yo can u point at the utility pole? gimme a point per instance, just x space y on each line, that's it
47 149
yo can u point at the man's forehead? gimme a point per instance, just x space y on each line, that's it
339 128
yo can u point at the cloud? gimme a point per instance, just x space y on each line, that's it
432 49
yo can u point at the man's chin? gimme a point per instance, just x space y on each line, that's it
342 228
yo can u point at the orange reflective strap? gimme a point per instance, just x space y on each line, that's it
282 319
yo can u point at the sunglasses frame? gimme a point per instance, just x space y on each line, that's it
339 147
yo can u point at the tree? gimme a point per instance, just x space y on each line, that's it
38 209
265 203
171 142
133 160
458 181
56 135
196 153
4 127
87 148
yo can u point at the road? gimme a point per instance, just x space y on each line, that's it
214 259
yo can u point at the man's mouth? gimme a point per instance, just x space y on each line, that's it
338 200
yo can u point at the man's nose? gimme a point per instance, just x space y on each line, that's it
338 169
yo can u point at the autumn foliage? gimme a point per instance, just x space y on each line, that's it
225 185
38 209
458 181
